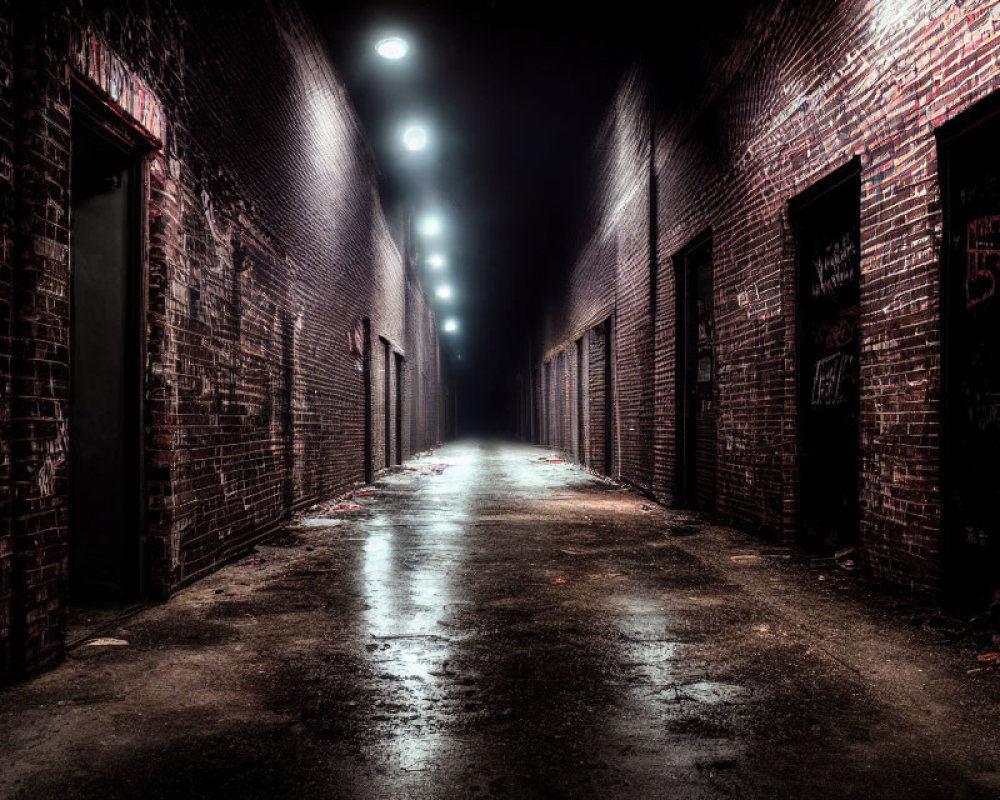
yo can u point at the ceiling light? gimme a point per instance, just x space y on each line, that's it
392 48
450 326
430 226
444 292
415 138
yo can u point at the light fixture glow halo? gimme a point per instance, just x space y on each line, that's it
415 137
392 48
430 225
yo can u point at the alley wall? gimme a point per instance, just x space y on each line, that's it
812 98
270 295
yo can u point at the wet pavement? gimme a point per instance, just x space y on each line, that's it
492 622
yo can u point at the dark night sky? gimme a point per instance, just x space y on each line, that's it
513 93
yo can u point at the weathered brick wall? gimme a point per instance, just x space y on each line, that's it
611 280
808 88
423 371
266 248
39 340
6 297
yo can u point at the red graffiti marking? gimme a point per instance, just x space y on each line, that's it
840 331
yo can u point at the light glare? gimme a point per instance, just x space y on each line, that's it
436 261
450 326
430 226
444 291
415 138
392 48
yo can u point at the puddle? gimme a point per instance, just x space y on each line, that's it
320 522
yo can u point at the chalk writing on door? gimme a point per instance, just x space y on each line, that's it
832 379
835 265
982 260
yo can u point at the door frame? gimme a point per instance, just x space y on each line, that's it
950 134
798 207
87 109
685 371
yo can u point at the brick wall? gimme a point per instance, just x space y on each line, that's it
6 289
265 248
808 88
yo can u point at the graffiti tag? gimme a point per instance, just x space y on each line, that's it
982 260
835 265
831 379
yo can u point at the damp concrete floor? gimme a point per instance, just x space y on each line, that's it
490 622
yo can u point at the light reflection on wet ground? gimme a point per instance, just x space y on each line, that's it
488 623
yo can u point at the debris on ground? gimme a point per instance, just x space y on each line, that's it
427 469
106 641
255 561
552 460
987 657
845 559
320 509
750 558
362 493
647 507
559 581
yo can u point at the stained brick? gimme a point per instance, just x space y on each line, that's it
265 248
806 88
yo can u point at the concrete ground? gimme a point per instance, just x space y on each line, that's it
492 623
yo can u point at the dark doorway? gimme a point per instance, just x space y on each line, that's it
609 397
581 395
970 164
105 424
287 409
387 401
600 397
696 403
561 397
827 225
400 369
366 373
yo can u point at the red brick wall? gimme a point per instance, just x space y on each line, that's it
423 371
808 87
6 289
266 247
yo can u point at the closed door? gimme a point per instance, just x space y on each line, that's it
105 367
827 226
971 475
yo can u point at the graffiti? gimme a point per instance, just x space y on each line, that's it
704 368
55 451
836 265
832 379
839 332
982 260
986 416
356 345
104 69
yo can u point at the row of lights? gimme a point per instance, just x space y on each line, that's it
414 138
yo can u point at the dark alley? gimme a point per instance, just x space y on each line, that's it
494 398
493 622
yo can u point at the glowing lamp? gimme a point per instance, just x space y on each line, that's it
392 48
